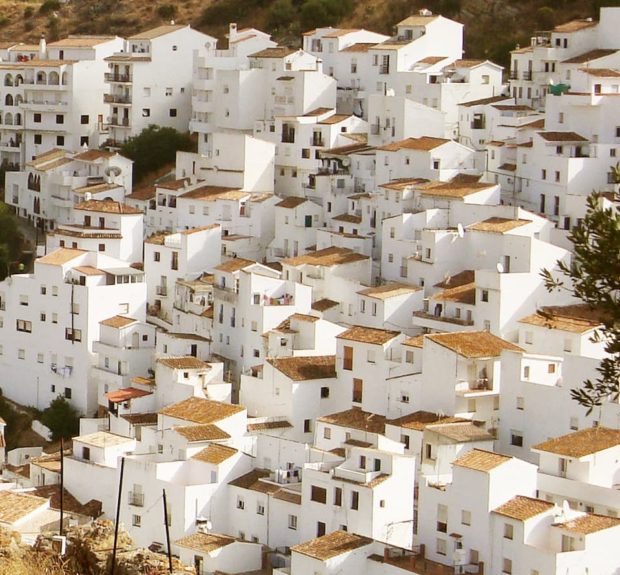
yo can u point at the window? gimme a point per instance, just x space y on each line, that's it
506 566
169 91
516 438
520 403
484 295
54 318
543 174
84 119
60 119
529 337
508 531
362 462
84 141
240 502
156 256
355 500
551 368
68 393
307 426
101 247
305 153
23 325
21 354
408 356
260 508
60 140
574 423
73 334
292 522
347 361
173 112
465 517
38 138
324 392
36 118
338 496
370 356
23 300
146 112
441 546
318 494
327 433
358 390
136 520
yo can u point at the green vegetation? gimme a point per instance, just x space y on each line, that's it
594 277
61 418
49 6
11 243
18 424
166 11
153 148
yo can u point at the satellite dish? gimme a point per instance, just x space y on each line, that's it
112 171
500 268
346 162
460 230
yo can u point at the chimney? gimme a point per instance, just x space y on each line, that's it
42 48
232 30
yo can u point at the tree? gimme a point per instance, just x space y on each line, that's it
61 418
11 241
594 277
153 148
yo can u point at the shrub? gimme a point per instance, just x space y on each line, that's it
28 12
49 6
62 419
166 11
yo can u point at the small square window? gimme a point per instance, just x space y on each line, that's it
173 112
84 119
36 118
60 119
38 138
60 140
146 112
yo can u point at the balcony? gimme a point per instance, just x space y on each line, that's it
474 387
120 122
119 78
228 295
317 141
514 75
384 69
441 318
116 99
527 75
161 290
136 499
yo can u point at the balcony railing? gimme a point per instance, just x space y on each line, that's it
527 75
111 77
116 99
116 121
514 75
384 69
161 290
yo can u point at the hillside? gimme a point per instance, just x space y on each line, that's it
492 27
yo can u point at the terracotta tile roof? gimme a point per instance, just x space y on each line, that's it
327 257
291 202
139 380
513 108
265 426
206 432
157 32
356 419
184 362
454 189
215 454
125 394
418 20
601 72
523 508
389 290
589 523
335 119
485 101
581 443
462 432
252 481
368 335
473 344
419 420
425 143
60 256
359 47
497 225
481 460
118 321
349 218
324 304
331 545
213 193
174 185
142 193
346 150
16 506
417 341
575 25
52 492
205 542
403 183
562 137
234 265
288 496
89 271
140 418
507 167
199 410
431 60
277 52
468 63
318 112
87 234
107 206
589 56
93 155
50 461
301 368
573 318
465 294
304 317
462 278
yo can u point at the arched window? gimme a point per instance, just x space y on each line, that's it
64 78
53 79
8 119
8 80
41 78
19 79
18 119
8 100
19 100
